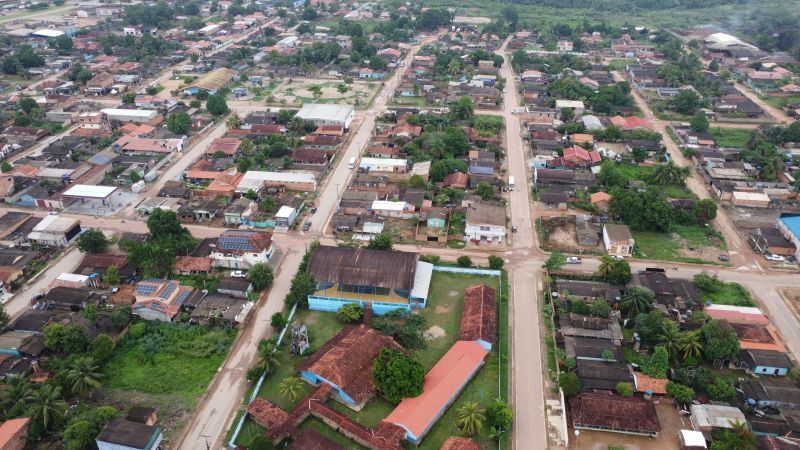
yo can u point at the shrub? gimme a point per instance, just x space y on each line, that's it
495 262
679 392
350 313
464 261
278 321
624 389
569 383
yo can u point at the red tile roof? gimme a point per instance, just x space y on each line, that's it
346 360
614 412
229 146
577 154
631 122
460 443
442 384
192 263
10 430
654 385
456 179
104 261
478 314
266 413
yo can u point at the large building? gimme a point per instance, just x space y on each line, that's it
790 229
55 231
385 280
257 181
321 114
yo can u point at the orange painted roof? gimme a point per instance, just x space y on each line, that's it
443 383
654 385
599 197
10 428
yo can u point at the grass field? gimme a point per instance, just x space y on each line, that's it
780 102
731 137
669 246
728 294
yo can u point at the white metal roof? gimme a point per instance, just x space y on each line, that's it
754 196
365 162
740 309
254 179
54 224
72 277
285 212
569 104
44 32
385 205
89 191
422 280
716 416
316 111
130 112
691 438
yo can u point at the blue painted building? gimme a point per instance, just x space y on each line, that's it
385 280
765 362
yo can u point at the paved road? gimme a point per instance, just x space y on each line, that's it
21 301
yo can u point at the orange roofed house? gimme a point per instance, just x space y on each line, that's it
478 316
442 385
345 363
13 433
161 299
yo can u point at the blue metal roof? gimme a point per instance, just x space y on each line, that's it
793 224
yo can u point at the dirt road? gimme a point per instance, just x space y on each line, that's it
777 113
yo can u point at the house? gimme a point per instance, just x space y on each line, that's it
618 240
13 433
124 434
770 240
441 387
100 84
345 363
766 362
228 146
485 223
578 156
386 208
70 298
649 385
192 265
789 227
100 263
576 106
592 327
460 443
20 344
736 314
285 217
588 291
605 411
386 280
708 418
478 316
771 392
242 249
55 231
383 165
136 145
235 287
757 337
259 180
603 374
631 123
220 309
595 349
161 299
600 200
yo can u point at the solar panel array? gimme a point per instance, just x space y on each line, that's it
182 298
168 290
146 289
241 243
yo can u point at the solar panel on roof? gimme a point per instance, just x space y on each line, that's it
182 298
146 289
168 290
235 243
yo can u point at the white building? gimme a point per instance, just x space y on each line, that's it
130 115
258 180
388 208
285 217
55 231
323 114
485 223
242 249
576 105
383 165
618 240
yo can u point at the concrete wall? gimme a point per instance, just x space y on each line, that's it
333 304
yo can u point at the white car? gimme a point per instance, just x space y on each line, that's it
238 274
574 260
775 258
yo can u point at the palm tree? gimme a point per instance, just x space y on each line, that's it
83 376
670 174
606 266
234 122
670 338
470 418
743 434
246 146
47 407
267 356
691 345
636 300
290 387
17 393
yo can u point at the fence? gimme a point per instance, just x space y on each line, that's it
232 442
467 270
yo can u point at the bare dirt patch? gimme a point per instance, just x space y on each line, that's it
434 332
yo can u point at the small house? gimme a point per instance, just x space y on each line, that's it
618 240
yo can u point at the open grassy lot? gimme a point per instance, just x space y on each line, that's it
727 293
731 137
162 358
686 243
358 93
780 102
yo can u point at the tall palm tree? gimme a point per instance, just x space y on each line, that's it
743 434
470 418
246 146
234 122
267 356
17 393
83 376
636 300
47 407
669 337
606 266
691 345
290 387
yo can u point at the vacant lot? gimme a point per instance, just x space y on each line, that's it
686 243
297 92
731 137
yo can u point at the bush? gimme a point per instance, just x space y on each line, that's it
495 262
433 259
624 389
679 392
350 313
398 375
569 383
278 321
721 390
464 261
499 415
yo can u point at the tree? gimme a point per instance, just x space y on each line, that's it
721 390
713 65
416 181
615 271
342 88
397 375
738 438
179 122
63 43
278 321
350 313
569 383
121 316
268 205
47 407
4 318
462 109
691 345
83 376
686 102
555 261
485 190
382 241
217 105
639 154
261 276
405 327
699 122
92 241
470 418
704 210
90 314
6 167
637 300
567 114
464 261
499 415
291 387
15 396
669 338
316 91
234 122
624 389
719 340
112 275
267 356
495 262
599 308
27 104
658 364
102 347
681 394
670 174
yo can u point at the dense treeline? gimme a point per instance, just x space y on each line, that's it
625 5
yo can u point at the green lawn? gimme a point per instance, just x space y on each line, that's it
731 137
412 101
184 360
728 294
667 246
370 415
780 102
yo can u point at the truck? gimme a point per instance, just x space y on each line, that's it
511 183
352 163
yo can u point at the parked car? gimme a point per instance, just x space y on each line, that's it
724 258
574 260
238 274
307 226
513 228
775 258
313 210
